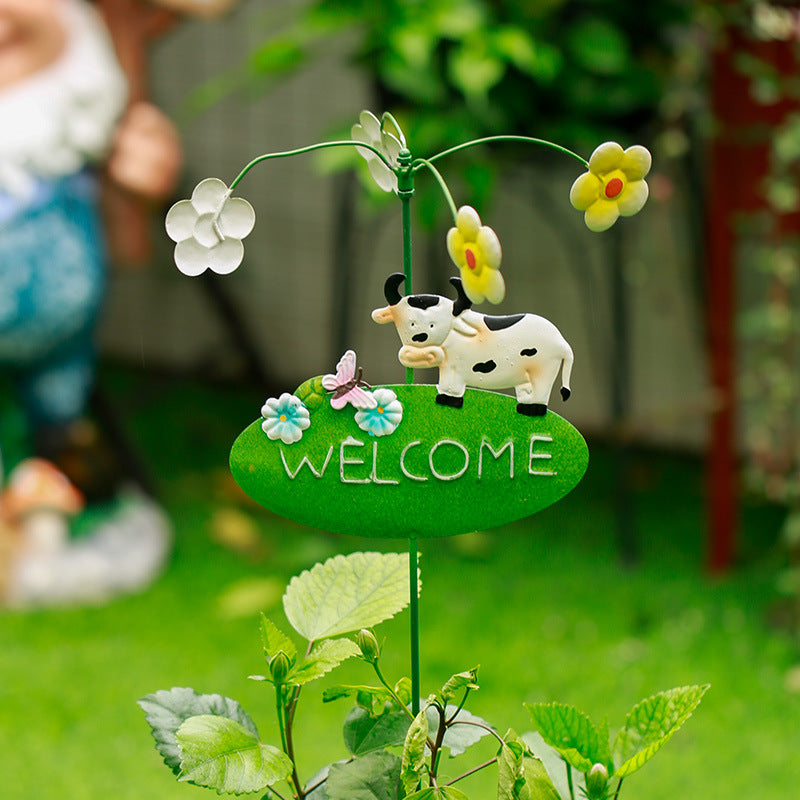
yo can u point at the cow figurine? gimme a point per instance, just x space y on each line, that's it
522 351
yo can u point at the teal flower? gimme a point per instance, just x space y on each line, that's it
285 418
385 417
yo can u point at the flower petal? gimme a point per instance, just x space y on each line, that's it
191 258
601 215
209 195
358 133
633 198
585 191
381 174
180 221
605 157
636 162
490 245
391 146
472 286
237 218
205 231
226 256
455 246
468 222
371 125
494 287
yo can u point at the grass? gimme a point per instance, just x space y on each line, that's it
545 606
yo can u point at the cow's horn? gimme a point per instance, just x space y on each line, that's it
462 302
391 289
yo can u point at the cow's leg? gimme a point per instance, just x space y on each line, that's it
525 401
450 390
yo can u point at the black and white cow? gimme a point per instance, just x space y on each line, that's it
522 351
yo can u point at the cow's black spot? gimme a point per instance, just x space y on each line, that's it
528 351
420 337
423 300
485 367
500 323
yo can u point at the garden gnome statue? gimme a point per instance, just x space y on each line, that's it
69 112
63 112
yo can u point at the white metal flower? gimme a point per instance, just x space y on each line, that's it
368 130
209 229
385 417
285 418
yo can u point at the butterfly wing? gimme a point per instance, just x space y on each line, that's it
358 398
345 371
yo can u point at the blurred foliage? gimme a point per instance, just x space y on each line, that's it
771 326
578 72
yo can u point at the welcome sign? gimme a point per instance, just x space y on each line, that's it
441 471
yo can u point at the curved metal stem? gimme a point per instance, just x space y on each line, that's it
308 149
510 138
424 162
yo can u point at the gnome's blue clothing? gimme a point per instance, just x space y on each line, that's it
52 282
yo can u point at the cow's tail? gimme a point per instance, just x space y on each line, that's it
566 372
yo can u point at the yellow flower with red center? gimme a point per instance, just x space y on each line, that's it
475 250
613 186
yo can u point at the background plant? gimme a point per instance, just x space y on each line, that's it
210 740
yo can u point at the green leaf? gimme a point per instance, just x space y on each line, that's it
347 593
222 754
274 639
540 786
413 764
510 769
599 46
570 732
167 709
375 776
440 793
364 732
651 724
473 70
458 682
324 657
277 56
339 691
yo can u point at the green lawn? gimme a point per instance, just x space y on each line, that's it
544 606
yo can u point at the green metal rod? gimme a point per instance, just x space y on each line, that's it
413 562
509 138
405 191
308 149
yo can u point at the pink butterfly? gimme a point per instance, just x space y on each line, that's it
346 385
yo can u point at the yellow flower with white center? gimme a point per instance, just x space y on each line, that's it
476 251
613 186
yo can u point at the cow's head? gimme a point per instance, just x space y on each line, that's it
422 320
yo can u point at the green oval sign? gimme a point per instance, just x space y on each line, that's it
443 471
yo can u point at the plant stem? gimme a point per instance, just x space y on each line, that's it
510 138
619 786
279 708
569 781
479 725
392 691
437 745
424 162
308 149
414 614
473 770
460 706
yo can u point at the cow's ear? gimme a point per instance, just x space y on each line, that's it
383 315
460 325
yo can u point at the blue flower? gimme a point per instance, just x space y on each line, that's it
385 417
285 418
